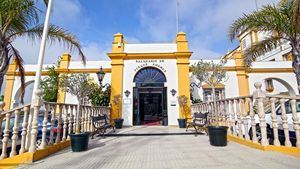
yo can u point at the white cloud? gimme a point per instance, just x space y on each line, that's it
66 11
94 51
29 51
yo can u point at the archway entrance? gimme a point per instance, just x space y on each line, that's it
150 97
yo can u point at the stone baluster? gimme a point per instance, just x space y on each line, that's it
74 119
296 122
86 118
224 105
274 122
2 104
233 112
34 130
78 119
44 130
5 135
253 123
15 134
260 97
65 125
227 116
89 119
92 114
82 119
59 125
238 115
230 119
285 124
24 129
245 118
53 112
71 121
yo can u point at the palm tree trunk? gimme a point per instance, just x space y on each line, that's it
296 62
4 63
1 81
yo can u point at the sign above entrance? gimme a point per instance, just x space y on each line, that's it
150 62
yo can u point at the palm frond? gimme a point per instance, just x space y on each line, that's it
260 48
17 15
269 18
55 33
14 53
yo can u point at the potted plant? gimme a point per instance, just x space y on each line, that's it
80 86
212 74
118 121
182 100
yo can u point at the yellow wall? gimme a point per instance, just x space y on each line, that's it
183 55
63 65
242 75
116 57
10 79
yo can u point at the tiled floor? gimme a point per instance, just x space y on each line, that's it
174 151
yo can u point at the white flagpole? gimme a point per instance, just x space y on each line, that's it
256 5
42 51
38 73
177 19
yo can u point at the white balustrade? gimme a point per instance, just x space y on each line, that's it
295 122
240 113
15 134
44 130
70 130
274 122
5 135
233 113
63 127
260 96
59 124
24 129
34 130
285 126
65 123
53 112
253 122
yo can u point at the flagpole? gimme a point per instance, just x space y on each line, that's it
38 73
256 5
177 22
29 144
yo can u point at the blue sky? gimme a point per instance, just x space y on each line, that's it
205 22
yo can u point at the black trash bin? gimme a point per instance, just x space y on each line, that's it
182 123
217 135
118 123
79 142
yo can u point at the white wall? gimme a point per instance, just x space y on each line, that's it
131 67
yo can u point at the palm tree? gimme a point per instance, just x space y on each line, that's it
283 19
20 18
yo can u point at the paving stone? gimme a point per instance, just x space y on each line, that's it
164 152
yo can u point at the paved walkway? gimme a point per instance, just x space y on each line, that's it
172 151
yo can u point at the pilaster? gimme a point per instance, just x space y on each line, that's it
242 74
9 85
183 55
117 57
63 66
